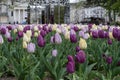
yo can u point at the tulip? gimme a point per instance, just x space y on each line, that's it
70 67
7 35
24 44
42 33
36 34
31 47
35 28
77 48
3 31
111 35
20 34
70 58
109 41
67 35
54 27
101 34
73 38
115 33
52 39
26 28
9 27
41 41
57 38
109 60
82 44
26 38
86 36
15 30
29 33
1 39
76 28
81 57
10 39
81 33
54 53
95 34
20 28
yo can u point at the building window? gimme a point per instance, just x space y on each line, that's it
11 13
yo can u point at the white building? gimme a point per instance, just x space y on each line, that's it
3 14
13 12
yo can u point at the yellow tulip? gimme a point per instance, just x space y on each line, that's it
54 27
111 35
58 30
25 38
35 28
24 44
15 30
20 28
36 34
67 35
29 33
82 43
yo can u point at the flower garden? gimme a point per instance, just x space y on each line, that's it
60 52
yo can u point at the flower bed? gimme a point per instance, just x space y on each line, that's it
60 52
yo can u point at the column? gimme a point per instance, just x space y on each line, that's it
14 14
19 15
23 15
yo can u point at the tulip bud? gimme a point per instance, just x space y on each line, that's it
70 67
31 47
54 53
58 38
81 57
24 44
82 44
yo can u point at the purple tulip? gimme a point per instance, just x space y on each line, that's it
109 60
101 34
3 31
115 33
7 35
17 38
72 31
20 34
109 41
81 57
57 38
77 48
41 41
26 28
73 38
31 47
42 33
9 27
10 39
70 67
86 36
76 28
106 34
54 53
81 33
70 58
95 34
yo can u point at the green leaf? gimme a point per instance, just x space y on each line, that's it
89 68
